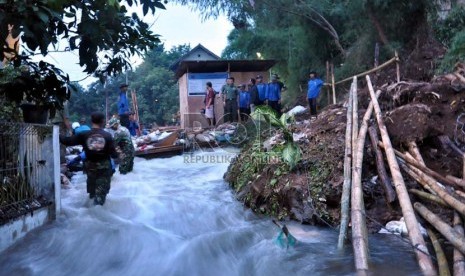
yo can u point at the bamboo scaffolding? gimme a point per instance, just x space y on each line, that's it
429 197
389 192
440 256
416 238
457 240
345 198
382 66
459 259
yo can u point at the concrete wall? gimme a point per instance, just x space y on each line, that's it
190 105
44 177
19 227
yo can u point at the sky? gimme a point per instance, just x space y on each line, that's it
176 25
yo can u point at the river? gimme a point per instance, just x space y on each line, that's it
169 217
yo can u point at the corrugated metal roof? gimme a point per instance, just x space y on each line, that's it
211 66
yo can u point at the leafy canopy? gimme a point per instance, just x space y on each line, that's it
89 27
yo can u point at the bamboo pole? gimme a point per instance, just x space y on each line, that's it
345 199
459 259
415 152
424 180
457 240
429 197
359 229
389 192
397 66
416 238
440 256
333 85
456 180
328 89
382 66
412 161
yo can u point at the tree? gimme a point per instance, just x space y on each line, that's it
89 27
155 85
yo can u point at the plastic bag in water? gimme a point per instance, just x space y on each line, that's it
284 241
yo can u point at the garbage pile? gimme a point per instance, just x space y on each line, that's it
154 139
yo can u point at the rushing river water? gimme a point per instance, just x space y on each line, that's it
169 217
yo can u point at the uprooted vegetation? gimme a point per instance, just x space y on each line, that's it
428 113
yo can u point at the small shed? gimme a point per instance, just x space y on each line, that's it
200 66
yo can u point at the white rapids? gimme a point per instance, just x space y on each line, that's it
169 217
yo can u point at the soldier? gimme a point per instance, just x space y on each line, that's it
124 146
229 94
99 148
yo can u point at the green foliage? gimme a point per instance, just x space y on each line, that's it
448 28
456 52
155 85
289 152
42 84
294 34
89 27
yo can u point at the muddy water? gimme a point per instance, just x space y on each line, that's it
173 218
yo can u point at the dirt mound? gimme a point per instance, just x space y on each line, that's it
429 113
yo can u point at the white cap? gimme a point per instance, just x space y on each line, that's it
75 125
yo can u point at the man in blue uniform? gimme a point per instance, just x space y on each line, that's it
313 91
273 94
123 106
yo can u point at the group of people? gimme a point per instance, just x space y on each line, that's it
103 145
245 98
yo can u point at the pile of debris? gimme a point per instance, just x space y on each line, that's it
431 114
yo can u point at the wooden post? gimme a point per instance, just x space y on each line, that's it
345 198
389 192
457 240
397 67
416 238
333 84
328 89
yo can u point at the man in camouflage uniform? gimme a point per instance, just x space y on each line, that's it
99 148
124 146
